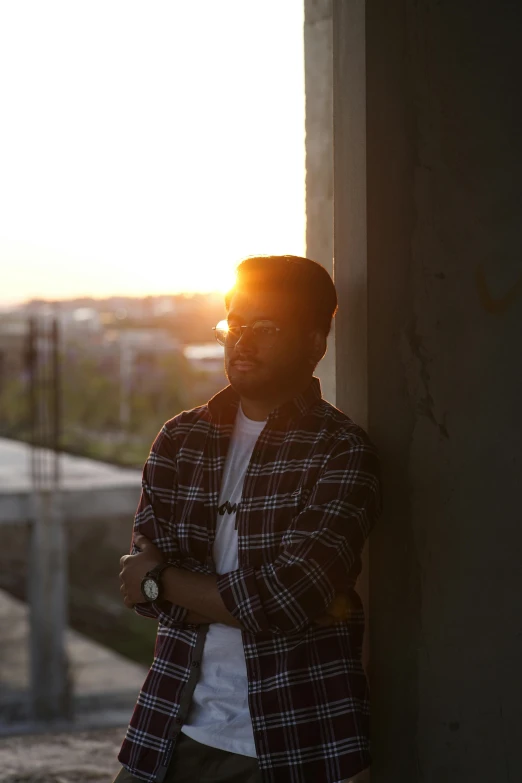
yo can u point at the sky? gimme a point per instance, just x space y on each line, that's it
146 147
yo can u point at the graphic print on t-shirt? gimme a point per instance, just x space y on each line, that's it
228 508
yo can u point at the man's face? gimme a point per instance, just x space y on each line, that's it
259 371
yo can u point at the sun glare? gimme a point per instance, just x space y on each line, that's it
157 165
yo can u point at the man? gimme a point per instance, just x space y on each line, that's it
247 546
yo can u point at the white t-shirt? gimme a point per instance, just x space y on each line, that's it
219 715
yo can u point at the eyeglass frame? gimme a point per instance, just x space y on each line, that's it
242 328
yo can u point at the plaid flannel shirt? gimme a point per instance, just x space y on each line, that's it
310 497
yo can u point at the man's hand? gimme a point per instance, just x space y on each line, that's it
134 568
338 610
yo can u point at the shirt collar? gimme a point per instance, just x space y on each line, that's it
223 406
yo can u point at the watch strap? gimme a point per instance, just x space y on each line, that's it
156 572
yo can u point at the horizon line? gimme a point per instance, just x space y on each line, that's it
56 300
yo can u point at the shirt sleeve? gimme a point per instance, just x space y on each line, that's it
321 550
154 519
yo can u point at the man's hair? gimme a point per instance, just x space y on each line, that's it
310 289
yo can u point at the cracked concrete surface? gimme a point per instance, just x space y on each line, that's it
61 758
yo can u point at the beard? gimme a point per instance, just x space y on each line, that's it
265 383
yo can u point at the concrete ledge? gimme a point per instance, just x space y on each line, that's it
88 503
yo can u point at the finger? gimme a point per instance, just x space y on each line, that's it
123 560
340 606
126 600
141 541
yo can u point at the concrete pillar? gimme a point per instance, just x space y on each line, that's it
349 230
443 381
319 156
47 593
349 235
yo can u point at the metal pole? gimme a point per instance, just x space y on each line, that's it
57 399
125 382
31 397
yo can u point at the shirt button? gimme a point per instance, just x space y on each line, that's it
195 664
179 720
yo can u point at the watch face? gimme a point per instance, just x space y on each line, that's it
150 589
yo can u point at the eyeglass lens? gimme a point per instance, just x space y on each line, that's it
263 332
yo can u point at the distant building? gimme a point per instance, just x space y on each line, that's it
206 357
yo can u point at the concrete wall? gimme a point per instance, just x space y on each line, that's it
444 320
319 155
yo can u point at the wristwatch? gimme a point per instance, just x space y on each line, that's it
151 586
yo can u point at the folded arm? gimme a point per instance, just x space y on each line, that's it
321 553
319 561
201 591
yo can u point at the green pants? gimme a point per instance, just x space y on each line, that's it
193 762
